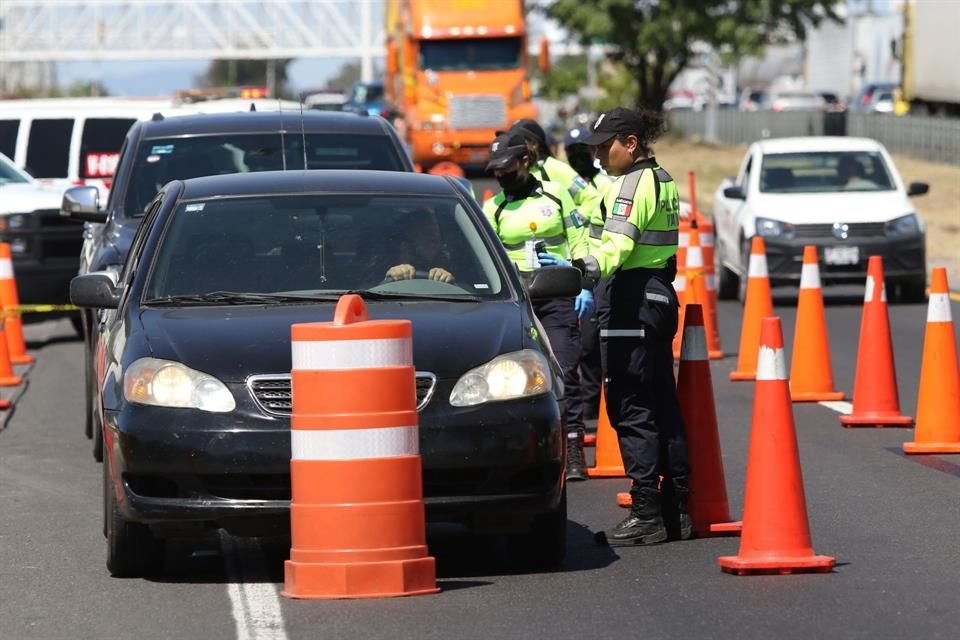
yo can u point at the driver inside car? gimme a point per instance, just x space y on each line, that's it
422 251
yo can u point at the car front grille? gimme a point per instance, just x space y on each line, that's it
477 112
855 230
273 393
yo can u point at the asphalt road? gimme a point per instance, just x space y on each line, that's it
890 521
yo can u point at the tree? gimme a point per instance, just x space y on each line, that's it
346 77
655 39
566 76
229 73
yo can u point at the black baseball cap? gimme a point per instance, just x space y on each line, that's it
531 130
612 123
506 148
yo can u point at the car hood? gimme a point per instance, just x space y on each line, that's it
27 197
234 342
820 208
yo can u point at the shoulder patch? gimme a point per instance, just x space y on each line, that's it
578 185
622 207
578 220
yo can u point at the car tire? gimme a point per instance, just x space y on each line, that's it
544 546
97 439
132 549
912 291
77 323
745 264
728 282
88 391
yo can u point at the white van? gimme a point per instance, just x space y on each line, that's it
70 141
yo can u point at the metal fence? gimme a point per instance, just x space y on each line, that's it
925 138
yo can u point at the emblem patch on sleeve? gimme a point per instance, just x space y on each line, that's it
622 207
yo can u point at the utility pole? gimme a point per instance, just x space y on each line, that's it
366 29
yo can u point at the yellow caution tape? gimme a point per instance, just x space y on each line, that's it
42 308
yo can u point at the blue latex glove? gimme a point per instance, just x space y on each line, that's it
547 260
583 304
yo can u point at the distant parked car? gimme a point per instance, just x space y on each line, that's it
796 101
323 100
873 95
832 102
754 100
843 195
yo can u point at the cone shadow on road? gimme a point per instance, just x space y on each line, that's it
934 462
787 297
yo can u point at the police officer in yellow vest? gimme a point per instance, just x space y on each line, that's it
525 214
581 158
637 253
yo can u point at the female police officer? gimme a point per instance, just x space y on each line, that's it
637 253
528 213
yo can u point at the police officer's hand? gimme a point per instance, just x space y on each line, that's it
547 260
583 304
440 274
401 272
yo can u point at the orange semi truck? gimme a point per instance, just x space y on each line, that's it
456 70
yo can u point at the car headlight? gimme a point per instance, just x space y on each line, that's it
164 383
15 221
903 225
512 375
773 228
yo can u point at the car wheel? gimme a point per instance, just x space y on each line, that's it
912 291
77 323
745 264
545 544
132 549
88 387
97 442
728 282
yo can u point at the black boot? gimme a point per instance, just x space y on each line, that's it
644 524
681 496
576 465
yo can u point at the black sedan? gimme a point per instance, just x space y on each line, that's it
192 365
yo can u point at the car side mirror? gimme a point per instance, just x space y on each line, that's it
918 188
734 193
95 291
555 282
82 203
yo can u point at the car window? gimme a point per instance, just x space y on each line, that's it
160 160
364 93
8 137
100 145
744 180
10 173
316 244
822 171
48 147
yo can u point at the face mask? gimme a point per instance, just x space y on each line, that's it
511 182
582 163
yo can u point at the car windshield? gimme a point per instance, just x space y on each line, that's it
161 160
481 54
366 93
246 249
10 174
824 171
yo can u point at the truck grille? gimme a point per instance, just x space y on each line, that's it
856 230
477 112
273 394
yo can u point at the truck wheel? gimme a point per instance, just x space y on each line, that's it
132 549
545 545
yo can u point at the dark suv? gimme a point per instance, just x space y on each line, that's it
161 149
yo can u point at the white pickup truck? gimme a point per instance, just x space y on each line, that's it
843 195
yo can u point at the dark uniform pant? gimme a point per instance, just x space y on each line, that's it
638 322
560 322
591 367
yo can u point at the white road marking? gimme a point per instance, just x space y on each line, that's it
840 407
255 603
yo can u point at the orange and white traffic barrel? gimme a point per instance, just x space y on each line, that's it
11 309
357 515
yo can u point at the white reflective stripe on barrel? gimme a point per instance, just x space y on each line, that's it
694 258
810 277
683 239
336 355
706 239
758 266
771 364
6 269
353 444
939 309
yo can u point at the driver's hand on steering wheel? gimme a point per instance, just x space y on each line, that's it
401 272
440 274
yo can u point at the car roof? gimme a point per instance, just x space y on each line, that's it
818 143
317 180
262 121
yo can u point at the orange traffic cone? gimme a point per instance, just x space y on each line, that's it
757 306
7 376
938 401
695 292
876 402
11 306
709 509
776 532
356 510
811 375
607 462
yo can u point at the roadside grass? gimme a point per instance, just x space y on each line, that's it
940 208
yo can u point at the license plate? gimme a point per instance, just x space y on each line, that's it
841 255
